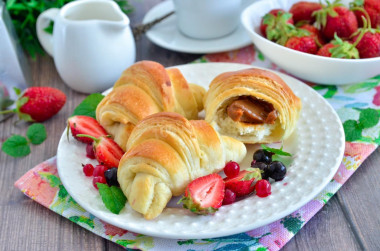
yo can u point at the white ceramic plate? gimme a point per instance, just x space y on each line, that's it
317 145
167 35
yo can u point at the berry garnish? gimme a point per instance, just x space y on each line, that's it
262 156
264 168
88 169
278 170
263 188
90 151
243 184
111 176
98 179
229 197
204 195
231 169
85 125
99 170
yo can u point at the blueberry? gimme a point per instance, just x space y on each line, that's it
263 167
262 156
111 177
278 170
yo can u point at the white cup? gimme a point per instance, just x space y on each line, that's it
207 19
92 43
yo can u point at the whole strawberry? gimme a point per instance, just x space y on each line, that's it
302 11
314 33
302 44
372 7
275 24
335 18
367 41
337 48
38 103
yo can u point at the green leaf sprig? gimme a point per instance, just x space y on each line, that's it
19 146
275 150
112 197
88 106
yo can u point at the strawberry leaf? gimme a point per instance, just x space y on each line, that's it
275 151
16 146
112 197
36 133
88 106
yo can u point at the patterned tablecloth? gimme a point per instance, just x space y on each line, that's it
358 108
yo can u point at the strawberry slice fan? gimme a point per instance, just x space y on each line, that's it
358 106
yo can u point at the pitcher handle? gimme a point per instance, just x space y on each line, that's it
43 21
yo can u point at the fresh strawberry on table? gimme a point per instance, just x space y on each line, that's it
81 124
302 11
336 18
244 183
204 195
37 104
107 151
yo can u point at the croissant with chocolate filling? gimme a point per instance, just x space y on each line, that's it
252 105
145 88
166 152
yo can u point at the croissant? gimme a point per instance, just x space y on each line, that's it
252 105
166 152
145 88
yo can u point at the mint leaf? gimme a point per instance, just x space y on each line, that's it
352 130
286 161
16 146
275 151
36 133
368 118
112 197
88 106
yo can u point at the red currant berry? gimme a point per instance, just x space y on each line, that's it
229 197
263 188
98 179
232 169
99 170
88 169
90 151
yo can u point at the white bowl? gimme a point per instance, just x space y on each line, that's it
313 68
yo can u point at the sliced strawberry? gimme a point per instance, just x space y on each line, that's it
244 183
107 151
85 125
204 195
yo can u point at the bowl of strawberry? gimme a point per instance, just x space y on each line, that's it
328 42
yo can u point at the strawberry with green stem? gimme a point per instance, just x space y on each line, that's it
81 124
204 195
339 48
367 40
371 8
336 18
276 25
302 11
37 104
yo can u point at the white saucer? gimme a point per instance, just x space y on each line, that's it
167 35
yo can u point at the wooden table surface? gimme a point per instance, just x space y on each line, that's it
350 220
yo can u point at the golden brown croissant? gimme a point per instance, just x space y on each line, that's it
252 105
143 89
166 152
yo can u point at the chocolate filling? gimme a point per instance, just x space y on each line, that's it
251 110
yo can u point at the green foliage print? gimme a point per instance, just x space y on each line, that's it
292 223
82 219
331 90
363 86
241 241
354 129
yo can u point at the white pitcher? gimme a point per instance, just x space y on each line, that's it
92 43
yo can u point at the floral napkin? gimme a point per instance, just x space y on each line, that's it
358 107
